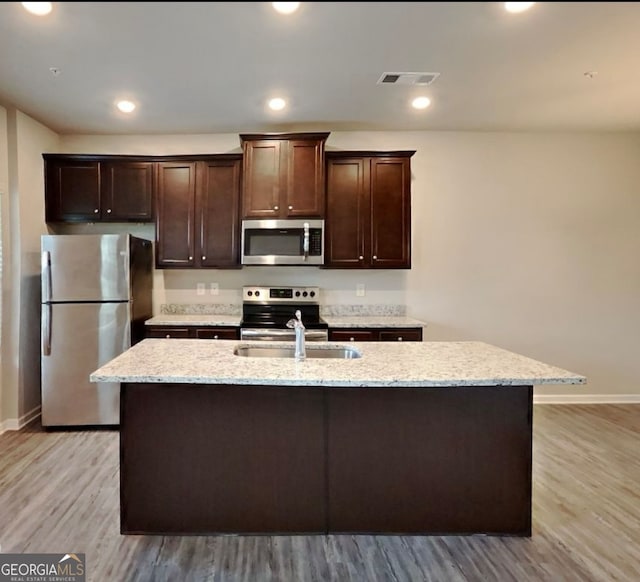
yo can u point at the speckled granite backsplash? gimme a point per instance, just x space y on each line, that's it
232 309
364 310
200 309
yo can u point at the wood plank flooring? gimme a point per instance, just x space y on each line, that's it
59 492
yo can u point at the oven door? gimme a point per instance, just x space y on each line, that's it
258 334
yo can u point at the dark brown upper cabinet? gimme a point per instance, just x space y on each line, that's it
368 222
88 188
197 223
283 175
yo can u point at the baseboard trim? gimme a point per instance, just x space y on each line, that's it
18 423
586 399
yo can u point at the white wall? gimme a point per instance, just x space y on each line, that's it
527 241
23 223
4 189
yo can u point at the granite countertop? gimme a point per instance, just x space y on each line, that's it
372 321
385 364
195 319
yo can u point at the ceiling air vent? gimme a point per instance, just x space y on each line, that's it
407 78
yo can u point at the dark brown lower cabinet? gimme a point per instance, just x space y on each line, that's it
206 459
194 332
391 334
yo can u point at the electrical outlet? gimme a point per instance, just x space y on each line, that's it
214 289
200 288
360 290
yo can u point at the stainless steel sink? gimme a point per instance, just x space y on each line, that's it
343 353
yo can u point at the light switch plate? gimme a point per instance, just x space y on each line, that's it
360 290
200 289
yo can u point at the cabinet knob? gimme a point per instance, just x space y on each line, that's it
352 339
361 258
96 211
215 337
375 257
108 210
290 207
276 207
400 339
191 258
167 336
204 258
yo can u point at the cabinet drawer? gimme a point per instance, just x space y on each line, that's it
218 333
346 335
399 335
168 332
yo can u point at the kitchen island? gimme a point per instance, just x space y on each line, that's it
419 438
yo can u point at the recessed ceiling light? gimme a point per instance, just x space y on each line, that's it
277 104
515 7
39 8
126 106
286 7
421 102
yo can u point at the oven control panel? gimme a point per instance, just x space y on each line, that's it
252 294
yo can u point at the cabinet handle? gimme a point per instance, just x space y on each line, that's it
108 210
96 211
290 207
204 258
361 258
400 338
375 257
276 207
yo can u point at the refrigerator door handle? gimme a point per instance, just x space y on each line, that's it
46 329
46 276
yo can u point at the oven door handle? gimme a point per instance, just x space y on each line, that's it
281 334
264 334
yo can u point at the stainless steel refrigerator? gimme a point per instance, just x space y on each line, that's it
96 295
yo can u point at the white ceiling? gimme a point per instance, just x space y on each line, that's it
209 67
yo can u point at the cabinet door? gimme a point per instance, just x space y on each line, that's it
263 180
218 191
72 191
175 214
218 333
127 191
353 335
401 335
390 213
169 331
347 225
305 179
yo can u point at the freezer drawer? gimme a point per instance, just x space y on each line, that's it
76 340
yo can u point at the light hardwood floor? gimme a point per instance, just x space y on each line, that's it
59 493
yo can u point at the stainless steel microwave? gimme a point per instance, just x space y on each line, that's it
283 242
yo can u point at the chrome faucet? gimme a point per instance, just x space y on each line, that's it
298 326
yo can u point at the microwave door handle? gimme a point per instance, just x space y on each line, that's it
305 243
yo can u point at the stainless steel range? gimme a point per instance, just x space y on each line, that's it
266 311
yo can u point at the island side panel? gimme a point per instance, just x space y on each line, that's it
430 460
199 459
